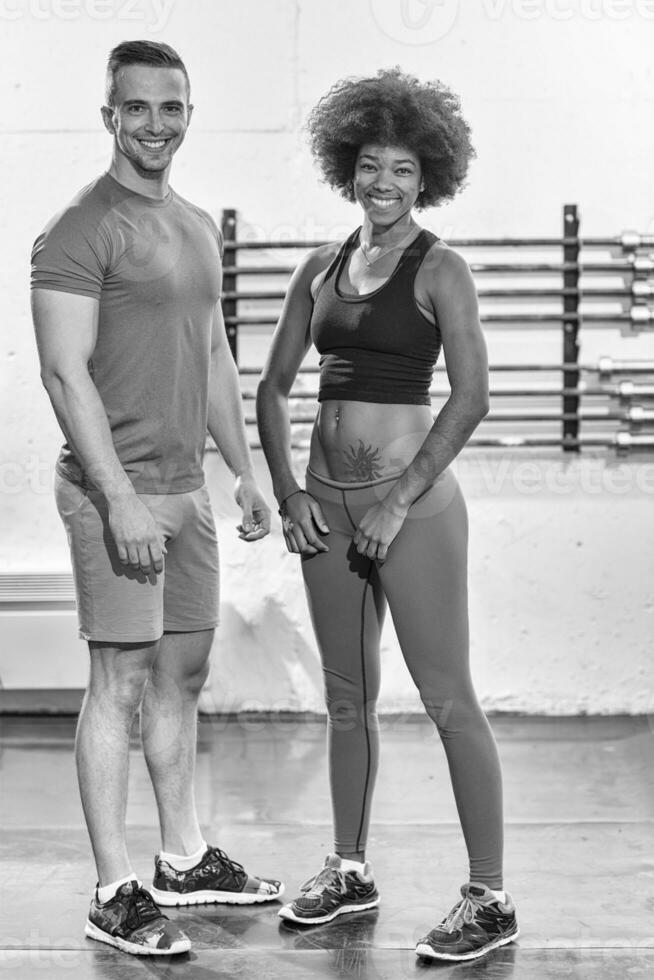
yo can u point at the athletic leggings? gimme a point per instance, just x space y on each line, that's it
424 582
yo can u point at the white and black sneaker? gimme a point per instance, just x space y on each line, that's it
476 925
216 878
332 892
132 922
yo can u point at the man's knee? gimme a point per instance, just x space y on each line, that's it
120 673
189 676
195 678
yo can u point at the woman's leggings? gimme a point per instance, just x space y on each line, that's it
424 582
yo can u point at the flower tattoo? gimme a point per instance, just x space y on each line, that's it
363 462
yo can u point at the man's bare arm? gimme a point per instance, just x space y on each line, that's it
227 429
66 331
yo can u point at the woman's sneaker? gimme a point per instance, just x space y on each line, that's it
132 922
476 925
332 892
216 878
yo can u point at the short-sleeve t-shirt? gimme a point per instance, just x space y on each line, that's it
155 268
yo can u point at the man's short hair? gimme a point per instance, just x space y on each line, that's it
152 53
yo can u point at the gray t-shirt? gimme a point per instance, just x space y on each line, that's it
155 267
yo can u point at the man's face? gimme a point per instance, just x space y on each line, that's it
150 116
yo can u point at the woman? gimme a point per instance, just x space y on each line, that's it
382 520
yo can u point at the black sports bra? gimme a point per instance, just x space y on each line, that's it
377 347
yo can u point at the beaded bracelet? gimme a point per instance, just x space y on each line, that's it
288 497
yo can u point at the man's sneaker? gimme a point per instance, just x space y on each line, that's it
216 878
132 922
476 924
332 892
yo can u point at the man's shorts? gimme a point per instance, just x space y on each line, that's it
118 604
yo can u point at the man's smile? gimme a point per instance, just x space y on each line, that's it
154 145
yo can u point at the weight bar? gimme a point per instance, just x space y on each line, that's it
639 289
628 241
621 391
298 243
250 320
629 389
626 441
642 263
630 440
634 264
639 315
637 415
632 240
620 441
642 289
605 365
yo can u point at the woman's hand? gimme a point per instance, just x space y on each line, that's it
303 523
378 528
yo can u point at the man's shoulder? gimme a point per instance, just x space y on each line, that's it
202 215
86 209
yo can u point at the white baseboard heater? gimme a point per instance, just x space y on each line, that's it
39 647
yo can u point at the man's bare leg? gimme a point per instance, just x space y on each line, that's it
169 732
118 676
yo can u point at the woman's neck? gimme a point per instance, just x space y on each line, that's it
386 235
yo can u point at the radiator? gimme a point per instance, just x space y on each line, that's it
39 647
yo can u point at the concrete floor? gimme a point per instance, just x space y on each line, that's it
579 852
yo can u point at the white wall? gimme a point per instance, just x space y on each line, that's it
561 595
559 94
561 599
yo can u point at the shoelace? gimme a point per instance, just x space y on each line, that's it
141 908
233 868
326 878
464 913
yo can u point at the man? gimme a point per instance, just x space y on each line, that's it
125 297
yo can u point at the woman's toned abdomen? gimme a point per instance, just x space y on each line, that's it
356 442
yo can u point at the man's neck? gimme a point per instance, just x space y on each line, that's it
155 186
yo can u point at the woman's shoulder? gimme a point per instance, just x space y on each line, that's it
317 258
314 265
323 254
443 264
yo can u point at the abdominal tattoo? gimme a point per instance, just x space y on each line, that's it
363 462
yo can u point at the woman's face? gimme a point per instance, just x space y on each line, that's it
386 182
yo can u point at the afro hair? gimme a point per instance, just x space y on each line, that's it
392 109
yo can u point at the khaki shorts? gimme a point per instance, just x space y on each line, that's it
117 604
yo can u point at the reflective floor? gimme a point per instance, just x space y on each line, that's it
579 852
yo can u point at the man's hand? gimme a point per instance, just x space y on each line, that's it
255 523
139 541
377 530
